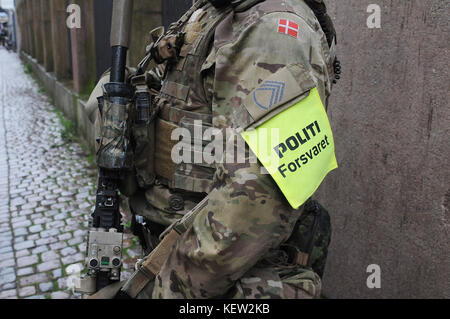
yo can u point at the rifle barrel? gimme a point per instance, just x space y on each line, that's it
120 38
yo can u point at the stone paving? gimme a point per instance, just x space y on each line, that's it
47 192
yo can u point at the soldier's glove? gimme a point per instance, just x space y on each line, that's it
163 49
168 48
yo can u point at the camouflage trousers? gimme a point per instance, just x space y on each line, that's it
268 283
258 283
276 276
245 243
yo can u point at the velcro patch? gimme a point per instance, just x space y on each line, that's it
288 27
278 90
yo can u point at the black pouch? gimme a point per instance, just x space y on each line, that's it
308 244
143 133
144 153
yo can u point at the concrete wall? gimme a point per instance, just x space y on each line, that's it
390 197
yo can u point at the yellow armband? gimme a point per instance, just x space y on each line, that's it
296 147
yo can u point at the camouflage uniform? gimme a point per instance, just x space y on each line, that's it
233 248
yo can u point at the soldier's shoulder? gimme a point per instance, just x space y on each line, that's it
296 7
263 15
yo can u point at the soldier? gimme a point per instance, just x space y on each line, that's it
3 26
3 34
216 64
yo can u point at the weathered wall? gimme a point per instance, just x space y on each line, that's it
83 49
173 9
390 197
28 6
102 21
35 7
146 17
61 48
46 32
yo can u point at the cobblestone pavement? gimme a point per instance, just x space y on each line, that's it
47 189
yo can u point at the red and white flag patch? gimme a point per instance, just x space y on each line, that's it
288 27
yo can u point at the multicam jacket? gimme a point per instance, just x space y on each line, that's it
246 218
232 249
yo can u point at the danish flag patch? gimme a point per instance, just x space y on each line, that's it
288 27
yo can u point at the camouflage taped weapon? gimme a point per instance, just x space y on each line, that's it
104 248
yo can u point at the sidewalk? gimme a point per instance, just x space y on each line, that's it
47 192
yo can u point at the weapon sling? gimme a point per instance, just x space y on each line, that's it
151 265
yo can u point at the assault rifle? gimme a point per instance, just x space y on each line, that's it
105 241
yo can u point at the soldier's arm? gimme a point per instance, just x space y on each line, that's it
246 215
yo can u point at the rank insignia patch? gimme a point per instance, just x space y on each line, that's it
288 27
269 94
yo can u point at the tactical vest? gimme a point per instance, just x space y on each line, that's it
183 99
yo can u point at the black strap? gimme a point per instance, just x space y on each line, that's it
320 11
312 207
